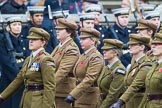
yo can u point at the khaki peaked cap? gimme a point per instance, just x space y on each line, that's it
112 43
89 32
145 24
38 33
157 39
138 39
66 23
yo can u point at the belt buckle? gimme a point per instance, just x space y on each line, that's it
26 87
148 96
36 86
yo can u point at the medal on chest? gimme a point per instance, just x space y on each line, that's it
35 66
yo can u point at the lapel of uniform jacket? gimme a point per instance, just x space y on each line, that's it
112 68
37 57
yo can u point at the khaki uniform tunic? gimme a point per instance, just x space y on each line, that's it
111 84
65 58
40 71
153 84
135 76
86 71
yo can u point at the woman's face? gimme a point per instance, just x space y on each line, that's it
86 43
122 20
156 48
16 27
109 54
135 48
35 44
156 21
62 34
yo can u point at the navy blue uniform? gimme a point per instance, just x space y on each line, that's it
74 6
11 62
102 30
11 7
122 35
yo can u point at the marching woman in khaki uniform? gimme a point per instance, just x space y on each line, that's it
135 77
153 82
111 79
86 71
65 56
37 74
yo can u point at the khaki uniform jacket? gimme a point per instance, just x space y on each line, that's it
41 71
65 59
153 84
86 71
111 84
134 81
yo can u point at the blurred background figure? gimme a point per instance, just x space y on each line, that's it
97 10
14 7
74 6
147 28
153 16
85 3
13 52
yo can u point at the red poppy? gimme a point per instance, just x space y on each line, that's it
160 70
81 63
39 54
60 53
70 7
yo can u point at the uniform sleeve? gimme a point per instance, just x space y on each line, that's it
67 64
15 84
93 71
137 84
115 90
48 77
7 62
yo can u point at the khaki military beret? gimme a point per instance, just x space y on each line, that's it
38 33
112 43
138 39
145 24
157 39
89 32
66 23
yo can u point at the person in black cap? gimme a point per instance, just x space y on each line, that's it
153 16
13 53
85 3
96 9
36 15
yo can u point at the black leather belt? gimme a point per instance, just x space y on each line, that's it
154 96
142 90
35 87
